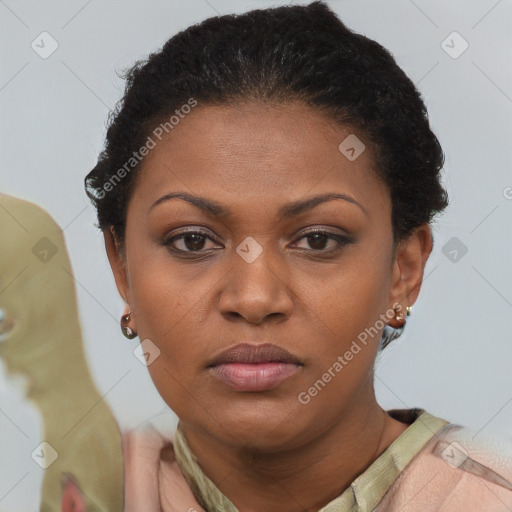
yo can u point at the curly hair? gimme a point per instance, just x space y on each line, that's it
278 55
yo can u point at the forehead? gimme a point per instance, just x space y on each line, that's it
239 154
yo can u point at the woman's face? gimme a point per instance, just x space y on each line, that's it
250 274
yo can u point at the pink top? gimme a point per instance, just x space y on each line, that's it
451 472
153 482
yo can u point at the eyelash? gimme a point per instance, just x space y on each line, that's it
342 241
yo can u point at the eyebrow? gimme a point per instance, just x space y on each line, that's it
287 210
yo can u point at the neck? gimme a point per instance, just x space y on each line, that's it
303 479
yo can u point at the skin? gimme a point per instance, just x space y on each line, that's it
266 450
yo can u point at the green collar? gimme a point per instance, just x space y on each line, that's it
366 490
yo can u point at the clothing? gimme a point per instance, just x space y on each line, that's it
430 467
365 492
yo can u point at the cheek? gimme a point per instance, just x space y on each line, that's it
346 327
173 305
354 295
171 314
170 311
165 294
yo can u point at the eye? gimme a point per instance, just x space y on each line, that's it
188 241
194 241
318 239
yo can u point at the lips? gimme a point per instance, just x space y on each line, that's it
251 354
254 368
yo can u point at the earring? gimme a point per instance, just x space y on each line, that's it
400 317
127 331
408 310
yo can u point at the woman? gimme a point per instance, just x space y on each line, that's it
265 193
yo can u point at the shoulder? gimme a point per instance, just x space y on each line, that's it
456 471
153 481
141 451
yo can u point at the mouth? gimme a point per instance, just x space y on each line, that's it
254 368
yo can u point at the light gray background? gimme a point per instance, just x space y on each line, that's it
455 358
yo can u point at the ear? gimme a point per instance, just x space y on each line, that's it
408 266
117 263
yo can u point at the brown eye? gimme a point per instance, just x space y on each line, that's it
318 240
187 242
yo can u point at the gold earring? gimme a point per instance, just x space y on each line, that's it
408 310
127 331
400 316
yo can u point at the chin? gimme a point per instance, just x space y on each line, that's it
264 428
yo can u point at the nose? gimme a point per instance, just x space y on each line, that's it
256 291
